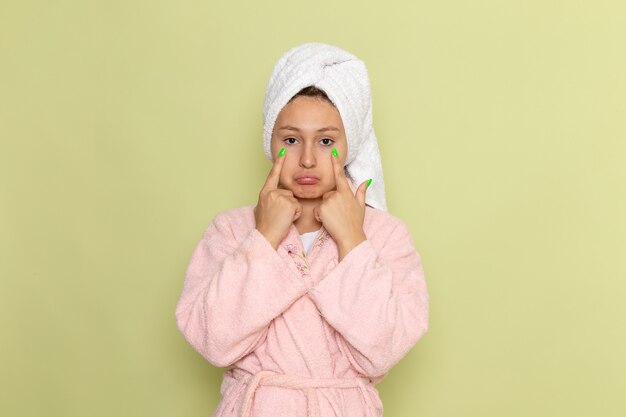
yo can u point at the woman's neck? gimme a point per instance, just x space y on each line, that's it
306 222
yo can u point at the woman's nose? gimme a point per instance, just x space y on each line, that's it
307 158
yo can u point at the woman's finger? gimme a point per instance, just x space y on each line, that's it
340 176
271 183
360 192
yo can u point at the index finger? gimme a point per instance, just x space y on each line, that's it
272 179
340 176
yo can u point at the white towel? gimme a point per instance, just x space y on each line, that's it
345 80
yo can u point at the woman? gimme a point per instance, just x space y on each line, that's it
313 294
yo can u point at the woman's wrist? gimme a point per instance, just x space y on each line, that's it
345 246
270 238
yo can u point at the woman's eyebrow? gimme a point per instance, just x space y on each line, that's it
324 129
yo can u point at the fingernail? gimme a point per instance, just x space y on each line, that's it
368 183
335 154
282 152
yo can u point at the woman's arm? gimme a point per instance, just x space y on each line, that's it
376 301
232 292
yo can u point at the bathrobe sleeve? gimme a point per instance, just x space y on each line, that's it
232 291
377 301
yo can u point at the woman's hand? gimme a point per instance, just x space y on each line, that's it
341 212
277 208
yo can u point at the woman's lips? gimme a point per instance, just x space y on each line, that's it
307 180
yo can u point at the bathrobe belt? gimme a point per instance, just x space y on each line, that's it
275 379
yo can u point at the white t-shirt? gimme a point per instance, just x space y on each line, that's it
308 239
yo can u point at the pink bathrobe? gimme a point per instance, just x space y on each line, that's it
302 335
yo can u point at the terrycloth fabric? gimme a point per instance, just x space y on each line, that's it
345 80
307 384
302 335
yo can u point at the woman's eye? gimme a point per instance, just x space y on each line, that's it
328 143
290 143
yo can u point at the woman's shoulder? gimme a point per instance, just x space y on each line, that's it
236 220
376 220
379 226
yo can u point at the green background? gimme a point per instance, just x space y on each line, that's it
125 126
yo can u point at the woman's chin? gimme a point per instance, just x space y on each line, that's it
307 191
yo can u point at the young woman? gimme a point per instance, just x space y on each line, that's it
310 296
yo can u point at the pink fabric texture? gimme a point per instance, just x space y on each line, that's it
302 335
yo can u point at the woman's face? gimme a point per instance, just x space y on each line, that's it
309 128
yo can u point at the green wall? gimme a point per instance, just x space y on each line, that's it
125 126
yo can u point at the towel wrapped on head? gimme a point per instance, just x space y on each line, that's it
344 79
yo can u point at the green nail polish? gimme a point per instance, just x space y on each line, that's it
282 152
368 183
335 153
